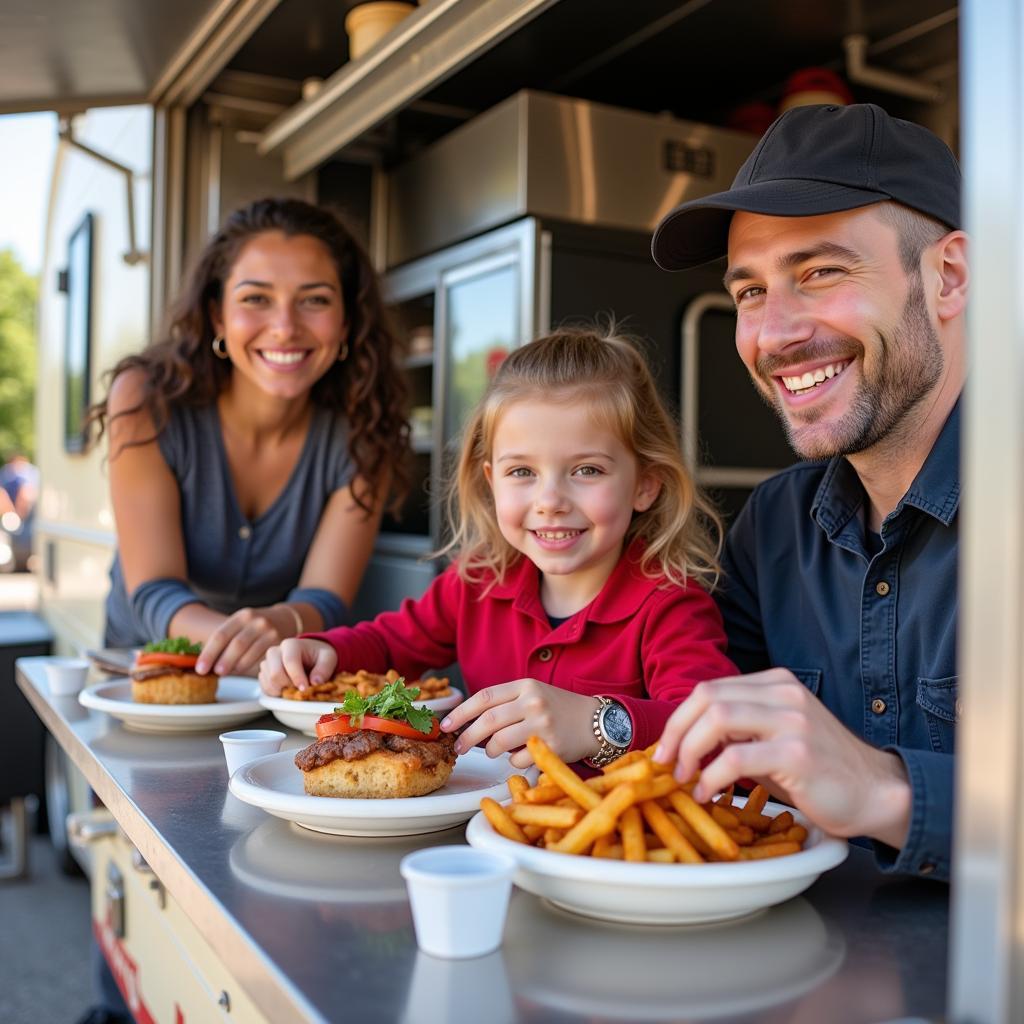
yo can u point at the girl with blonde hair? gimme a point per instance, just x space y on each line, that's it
577 604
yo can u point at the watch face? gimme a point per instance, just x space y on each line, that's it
617 725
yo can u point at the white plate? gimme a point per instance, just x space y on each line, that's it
664 893
275 784
302 714
237 701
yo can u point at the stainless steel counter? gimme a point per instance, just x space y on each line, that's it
318 927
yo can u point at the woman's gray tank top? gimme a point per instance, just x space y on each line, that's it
234 562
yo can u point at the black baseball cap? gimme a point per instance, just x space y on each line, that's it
814 160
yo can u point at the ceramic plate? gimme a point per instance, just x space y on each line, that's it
275 784
664 893
237 701
302 714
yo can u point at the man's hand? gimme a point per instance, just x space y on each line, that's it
507 715
767 726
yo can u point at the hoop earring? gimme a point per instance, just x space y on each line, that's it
219 346
343 351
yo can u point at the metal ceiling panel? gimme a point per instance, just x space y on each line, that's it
68 55
432 43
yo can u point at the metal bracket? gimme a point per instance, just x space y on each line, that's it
858 71
65 133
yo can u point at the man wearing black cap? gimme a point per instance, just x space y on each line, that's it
848 268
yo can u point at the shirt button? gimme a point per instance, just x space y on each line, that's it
544 654
245 532
878 705
926 868
881 588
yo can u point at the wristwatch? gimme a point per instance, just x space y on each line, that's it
614 730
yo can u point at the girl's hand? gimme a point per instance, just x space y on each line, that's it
507 715
238 644
286 665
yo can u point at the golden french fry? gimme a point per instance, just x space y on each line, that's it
723 845
768 850
635 771
661 856
725 799
758 822
533 832
518 785
673 839
744 835
690 836
545 814
598 821
552 836
781 822
633 757
631 828
500 821
561 774
754 805
658 787
603 845
727 819
793 834
542 795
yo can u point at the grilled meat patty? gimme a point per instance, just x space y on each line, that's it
361 744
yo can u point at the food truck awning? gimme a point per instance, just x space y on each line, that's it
68 55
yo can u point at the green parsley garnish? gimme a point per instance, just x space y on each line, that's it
174 645
394 701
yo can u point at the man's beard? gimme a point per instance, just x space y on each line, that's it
908 367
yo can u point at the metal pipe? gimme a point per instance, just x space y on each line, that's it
858 71
134 255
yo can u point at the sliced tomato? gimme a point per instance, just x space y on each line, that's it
163 658
341 725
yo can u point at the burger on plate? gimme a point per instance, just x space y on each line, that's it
164 673
379 747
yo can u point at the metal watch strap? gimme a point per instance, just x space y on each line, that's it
607 752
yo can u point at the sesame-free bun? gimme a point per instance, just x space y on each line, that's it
175 688
384 774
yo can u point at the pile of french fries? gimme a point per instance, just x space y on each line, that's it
637 811
366 684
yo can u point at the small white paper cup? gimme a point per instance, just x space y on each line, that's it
459 898
66 676
244 745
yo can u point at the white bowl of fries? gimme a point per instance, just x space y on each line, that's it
301 710
632 846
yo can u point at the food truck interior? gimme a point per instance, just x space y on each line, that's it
507 158
504 163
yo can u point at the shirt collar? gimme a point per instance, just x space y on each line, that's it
935 490
618 599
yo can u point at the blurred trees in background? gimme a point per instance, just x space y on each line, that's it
18 295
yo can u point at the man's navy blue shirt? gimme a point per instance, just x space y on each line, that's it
870 631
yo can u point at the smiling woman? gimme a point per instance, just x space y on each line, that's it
252 448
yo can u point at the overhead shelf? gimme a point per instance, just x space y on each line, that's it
434 42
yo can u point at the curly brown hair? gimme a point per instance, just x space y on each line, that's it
368 387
